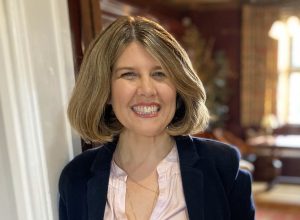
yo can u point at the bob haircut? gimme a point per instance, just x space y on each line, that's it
89 110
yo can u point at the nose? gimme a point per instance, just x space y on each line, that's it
146 87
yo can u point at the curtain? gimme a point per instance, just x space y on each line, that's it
258 64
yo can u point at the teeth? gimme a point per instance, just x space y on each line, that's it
146 109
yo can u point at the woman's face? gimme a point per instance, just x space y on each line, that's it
143 96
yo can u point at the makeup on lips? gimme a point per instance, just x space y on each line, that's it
146 110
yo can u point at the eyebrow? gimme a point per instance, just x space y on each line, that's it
122 68
132 68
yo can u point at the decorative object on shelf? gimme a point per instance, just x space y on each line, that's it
213 69
269 123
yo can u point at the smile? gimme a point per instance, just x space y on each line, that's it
146 110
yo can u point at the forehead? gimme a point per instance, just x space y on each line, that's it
136 54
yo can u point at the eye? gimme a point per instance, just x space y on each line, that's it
159 75
128 75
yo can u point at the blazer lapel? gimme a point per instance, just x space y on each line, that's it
96 195
97 185
192 177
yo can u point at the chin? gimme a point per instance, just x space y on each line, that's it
151 132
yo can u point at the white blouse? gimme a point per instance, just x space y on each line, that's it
170 203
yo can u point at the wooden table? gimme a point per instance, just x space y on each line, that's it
278 141
280 149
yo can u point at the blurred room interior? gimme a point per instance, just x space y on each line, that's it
247 53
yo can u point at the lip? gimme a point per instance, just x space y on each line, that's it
146 110
146 104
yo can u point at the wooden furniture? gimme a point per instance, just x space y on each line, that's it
278 158
226 136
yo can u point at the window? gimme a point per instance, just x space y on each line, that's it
294 103
288 93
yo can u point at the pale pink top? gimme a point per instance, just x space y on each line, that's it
170 203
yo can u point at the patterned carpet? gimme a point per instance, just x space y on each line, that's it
280 203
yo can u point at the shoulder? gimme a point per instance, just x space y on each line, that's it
219 151
80 164
222 159
225 158
80 169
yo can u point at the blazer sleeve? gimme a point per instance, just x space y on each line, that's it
62 204
240 199
62 210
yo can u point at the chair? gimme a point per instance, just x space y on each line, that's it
227 137
248 158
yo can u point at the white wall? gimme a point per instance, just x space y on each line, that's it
36 78
7 199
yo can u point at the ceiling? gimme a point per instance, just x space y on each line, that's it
199 2
196 4
223 1
182 5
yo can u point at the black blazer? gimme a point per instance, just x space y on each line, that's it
214 187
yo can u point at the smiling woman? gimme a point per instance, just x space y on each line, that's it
138 94
93 86
141 90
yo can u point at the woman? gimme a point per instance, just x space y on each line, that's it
138 95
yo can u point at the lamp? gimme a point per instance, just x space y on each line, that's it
269 123
293 25
277 28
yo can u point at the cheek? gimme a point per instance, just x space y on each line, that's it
170 93
174 104
120 93
116 90
169 96
115 95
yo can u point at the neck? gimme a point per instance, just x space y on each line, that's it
136 147
140 155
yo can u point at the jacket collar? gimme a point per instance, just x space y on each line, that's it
97 185
192 179
188 155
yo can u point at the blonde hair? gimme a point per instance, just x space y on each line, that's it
89 111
